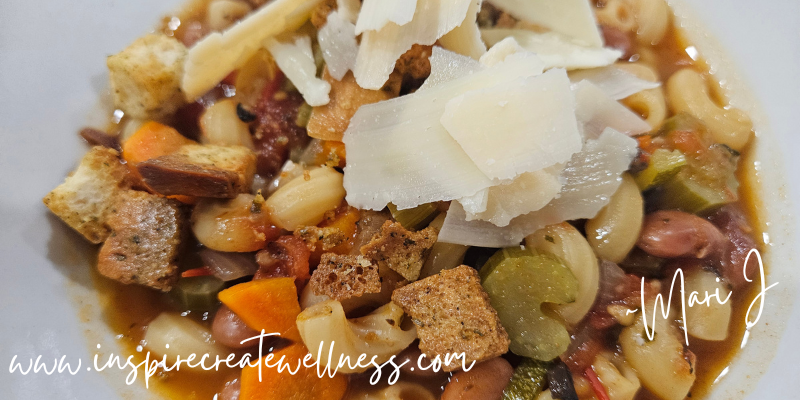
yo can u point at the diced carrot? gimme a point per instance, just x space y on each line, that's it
597 386
688 142
202 271
273 384
332 152
266 304
152 140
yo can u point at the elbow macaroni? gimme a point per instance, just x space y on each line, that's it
652 19
688 92
613 232
565 242
399 391
650 104
617 14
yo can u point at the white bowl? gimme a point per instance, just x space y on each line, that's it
52 68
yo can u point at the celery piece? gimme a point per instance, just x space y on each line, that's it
687 194
415 218
518 281
198 292
664 164
528 380
303 115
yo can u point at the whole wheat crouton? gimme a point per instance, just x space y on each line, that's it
453 316
201 170
145 77
341 277
320 14
326 237
415 62
400 249
145 240
85 198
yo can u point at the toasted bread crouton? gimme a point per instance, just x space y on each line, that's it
145 239
327 237
237 159
415 62
145 77
320 14
400 249
453 316
341 277
85 198
329 122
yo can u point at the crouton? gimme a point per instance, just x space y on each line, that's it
329 236
415 62
329 122
145 239
236 159
341 277
319 17
145 77
85 198
399 249
453 316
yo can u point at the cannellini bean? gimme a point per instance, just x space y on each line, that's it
672 234
173 335
305 199
615 229
236 225
617 377
229 330
485 381
220 125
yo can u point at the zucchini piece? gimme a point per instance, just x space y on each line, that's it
415 218
664 165
198 293
528 380
518 281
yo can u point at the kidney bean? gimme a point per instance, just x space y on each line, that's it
231 390
673 234
229 330
411 355
732 222
485 381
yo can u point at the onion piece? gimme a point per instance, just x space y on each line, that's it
595 112
296 61
555 50
616 83
337 40
466 38
229 266
380 49
375 14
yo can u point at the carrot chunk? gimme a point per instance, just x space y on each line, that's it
266 304
152 140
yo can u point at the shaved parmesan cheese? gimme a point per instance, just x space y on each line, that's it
573 18
446 66
296 61
218 54
349 9
476 203
589 179
379 50
526 193
555 50
595 112
337 40
519 126
500 51
614 82
399 152
466 38
375 14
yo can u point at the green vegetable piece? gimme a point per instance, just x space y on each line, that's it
415 218
684 193
198 293
518 281
664 165
528 380
303 115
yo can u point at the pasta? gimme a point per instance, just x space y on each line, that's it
650 103
376 335
399 391
652 19
707 321
660 364
618 378
305 199
688 92
223 13
617 14
614 231
565 242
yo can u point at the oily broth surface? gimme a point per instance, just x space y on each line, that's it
129 309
